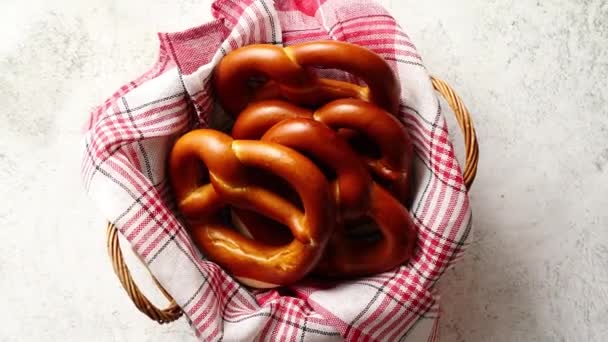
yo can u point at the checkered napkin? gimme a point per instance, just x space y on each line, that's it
128 137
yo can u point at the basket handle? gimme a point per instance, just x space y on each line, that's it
466 126
173 311
170 314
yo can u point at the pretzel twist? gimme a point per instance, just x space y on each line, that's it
357 196
290 76
226 160
293 139
391 168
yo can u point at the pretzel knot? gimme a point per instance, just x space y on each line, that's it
315 155
230 184
358 195
390 165
290 76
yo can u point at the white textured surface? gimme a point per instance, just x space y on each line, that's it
534 74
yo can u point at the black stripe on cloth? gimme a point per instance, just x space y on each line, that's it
426 187
465 235
369 304
445 182
134 109
108 175
139 144
302 30
435 126
205 281
198 290
416 215
416 322
433 280
303 330
391 296
232 294
415 111
403 61
360 17
124 143
179 67
205 81
141 196
284 321
426 228
272 26
460 243
192 119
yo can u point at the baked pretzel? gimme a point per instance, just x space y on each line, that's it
351 186
226 160
391 168
290 75
346 256
357 197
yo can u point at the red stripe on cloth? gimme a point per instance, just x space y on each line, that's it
398 327
405 293
122 123
278 331
388 316
377 20
232 9
121 130
433 216
157 69
139 183
332 320
358 32
269 326
131 153
379 30
433 186
263 29
383 40
240 302
420 126
454 199
305 36
291 332
383 30
460 225
211 312
133 156
251 27
148 203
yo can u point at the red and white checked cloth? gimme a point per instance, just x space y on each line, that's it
123 169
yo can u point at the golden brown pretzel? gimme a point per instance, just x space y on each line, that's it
252 262
391 168
260 228
344 256
347 257
351 187
290 76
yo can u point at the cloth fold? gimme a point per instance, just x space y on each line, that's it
127 140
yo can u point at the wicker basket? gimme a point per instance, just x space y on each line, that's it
173 311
